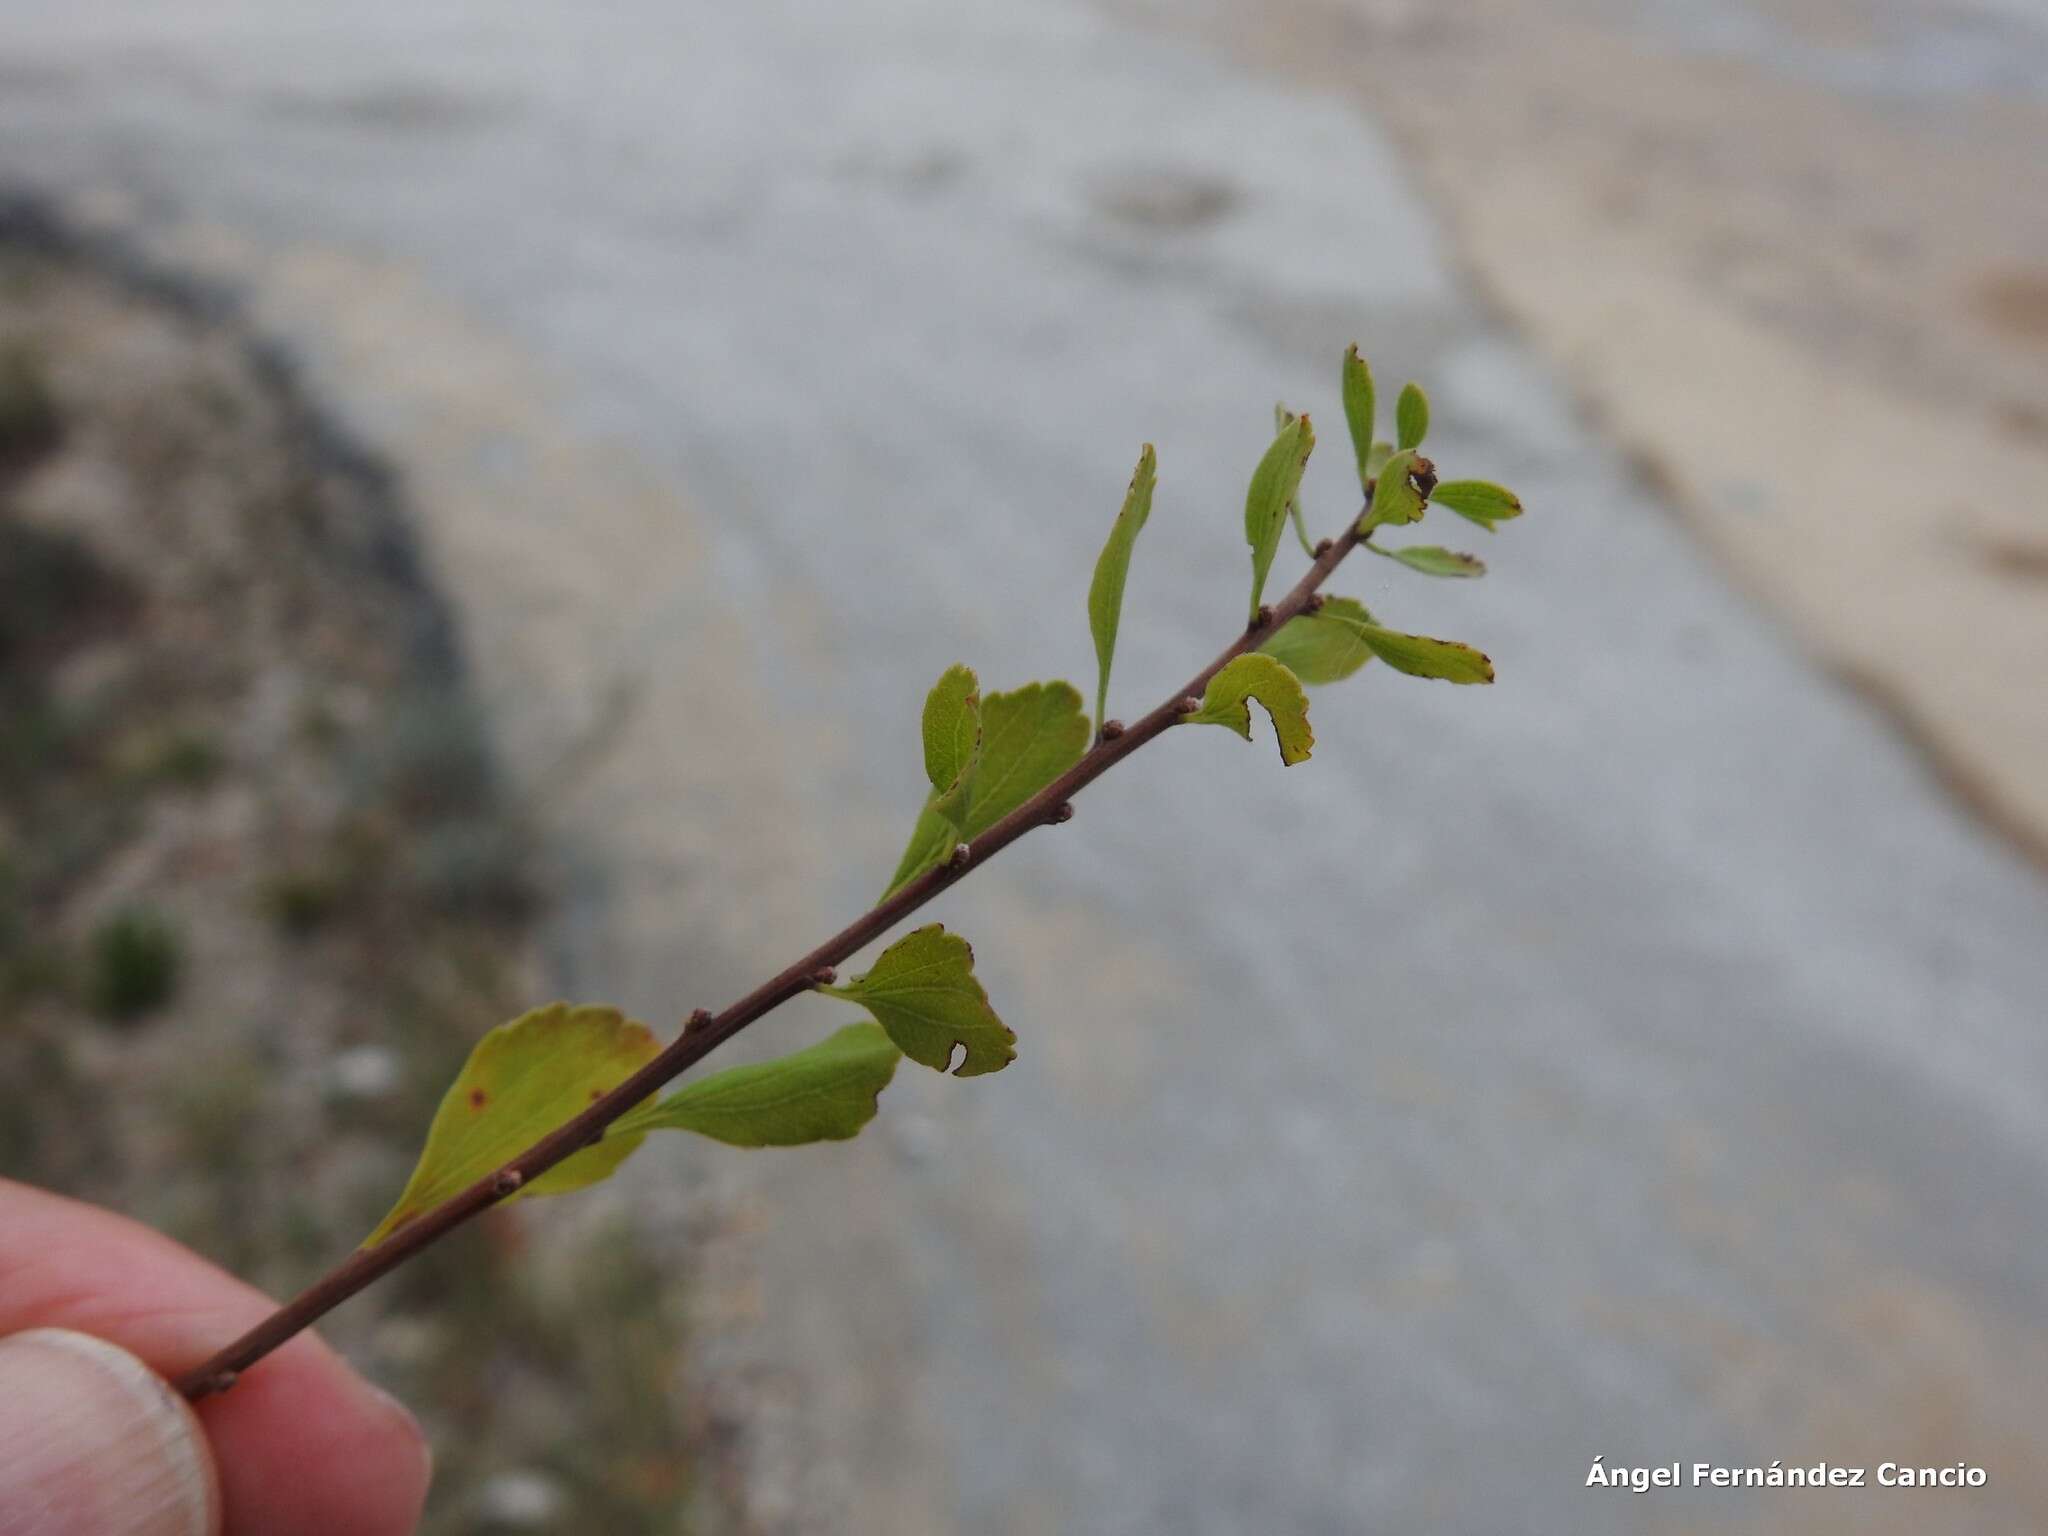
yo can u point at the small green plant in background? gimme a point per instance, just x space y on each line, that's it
558 1098
300 901
30 421
134 959
182 759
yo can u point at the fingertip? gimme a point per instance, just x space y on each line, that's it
95 1443
304 1445
308 1446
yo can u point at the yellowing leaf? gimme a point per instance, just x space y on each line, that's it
952 732
1411 417
523 1080
1340 637
825 1092
1479 501
1395 497
1227 702
1326 646
1273 486
1420 656
1433 561
1106 590
923 992
1358 411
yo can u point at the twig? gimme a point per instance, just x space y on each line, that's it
1050 806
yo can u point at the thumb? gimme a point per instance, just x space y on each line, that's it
95 1443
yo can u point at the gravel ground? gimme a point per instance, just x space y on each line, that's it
260 887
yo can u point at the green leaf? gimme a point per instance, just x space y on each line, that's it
923 992
952 728
1340 637
1359 408
1227 702
1395 497
1273 486
1377 459
523 1080
1479 500
1434 561
825 1092
931 841
1420 656
952 747
1106 591
1029 737
1326 646
1281 417
1411 417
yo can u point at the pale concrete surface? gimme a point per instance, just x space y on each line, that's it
1641 1057
1794 256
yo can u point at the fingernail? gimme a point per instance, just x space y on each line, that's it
95 1443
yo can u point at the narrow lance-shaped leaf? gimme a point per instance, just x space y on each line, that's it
1480 501
523 1080
1273 486
1281 417
1420 656
1396 499
825 1092
1326 646
1106 591
923 992
1340 637
1411 417
1359 408
952 735
1227 702
1432 560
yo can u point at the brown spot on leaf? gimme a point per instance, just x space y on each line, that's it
478 1098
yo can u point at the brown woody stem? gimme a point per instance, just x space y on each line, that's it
706 1033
